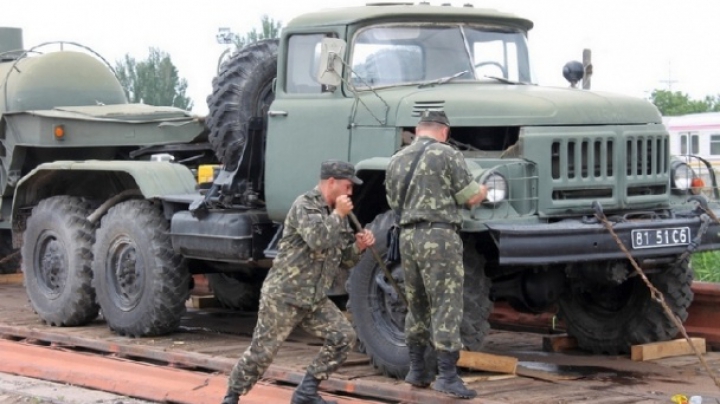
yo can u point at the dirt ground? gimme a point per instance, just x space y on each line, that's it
24 390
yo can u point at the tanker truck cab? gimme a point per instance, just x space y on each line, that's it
395 59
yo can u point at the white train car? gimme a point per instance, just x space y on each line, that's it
695 134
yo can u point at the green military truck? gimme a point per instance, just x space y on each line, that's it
124 235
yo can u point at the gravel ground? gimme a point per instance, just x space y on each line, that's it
24 390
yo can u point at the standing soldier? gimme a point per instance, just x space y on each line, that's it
425 183
317 239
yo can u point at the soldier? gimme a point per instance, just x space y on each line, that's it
317 239
425 183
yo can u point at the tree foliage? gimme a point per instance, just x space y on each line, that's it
270 29
153 81
674 103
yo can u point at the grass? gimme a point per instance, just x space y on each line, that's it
706 266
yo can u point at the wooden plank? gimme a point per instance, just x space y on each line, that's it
11 279
487 362
486 378
666 349
202 302
547 376
558 343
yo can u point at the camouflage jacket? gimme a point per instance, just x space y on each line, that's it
441 182
314 244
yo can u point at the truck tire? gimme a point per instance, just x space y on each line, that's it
379 317
9 256
611 319
142 284
57 251
241 91
234 293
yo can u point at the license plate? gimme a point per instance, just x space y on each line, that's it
651 238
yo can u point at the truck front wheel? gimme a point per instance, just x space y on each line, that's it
142 284
378 314
57 257
610 319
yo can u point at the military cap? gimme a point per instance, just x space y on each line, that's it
339 170
435 117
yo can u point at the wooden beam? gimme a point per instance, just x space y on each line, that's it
11 279
202 302
558 343
666 349
487 362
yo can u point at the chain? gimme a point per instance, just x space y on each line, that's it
656 294
9 257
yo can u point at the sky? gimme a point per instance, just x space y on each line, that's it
637 46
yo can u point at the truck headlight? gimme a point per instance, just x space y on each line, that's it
497 187
682 176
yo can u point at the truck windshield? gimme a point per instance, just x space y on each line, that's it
395 54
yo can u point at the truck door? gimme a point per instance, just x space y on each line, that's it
306 125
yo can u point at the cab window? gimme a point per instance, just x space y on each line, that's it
302 64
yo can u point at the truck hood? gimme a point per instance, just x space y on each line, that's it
484 104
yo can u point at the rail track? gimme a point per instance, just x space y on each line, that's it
191 365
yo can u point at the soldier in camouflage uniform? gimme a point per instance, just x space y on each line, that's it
431 249
316 240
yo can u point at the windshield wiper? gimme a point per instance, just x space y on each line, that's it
505 81
443 80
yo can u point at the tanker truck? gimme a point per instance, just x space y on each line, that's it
350 83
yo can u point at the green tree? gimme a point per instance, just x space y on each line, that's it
270 29
673 103
154 81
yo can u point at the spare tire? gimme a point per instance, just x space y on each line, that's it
241 91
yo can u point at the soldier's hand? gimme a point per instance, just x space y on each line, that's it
479 197
343 205
364 239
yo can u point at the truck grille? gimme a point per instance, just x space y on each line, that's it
646 156
593 168
574 159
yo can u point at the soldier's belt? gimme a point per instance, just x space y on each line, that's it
430 225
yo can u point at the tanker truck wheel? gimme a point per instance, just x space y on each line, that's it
142 284
235 293
57 257
241 91
610 319
379 314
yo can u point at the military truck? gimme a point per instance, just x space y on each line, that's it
351 83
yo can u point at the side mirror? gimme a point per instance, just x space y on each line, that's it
330 69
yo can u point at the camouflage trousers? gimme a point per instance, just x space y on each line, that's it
433 269
276 320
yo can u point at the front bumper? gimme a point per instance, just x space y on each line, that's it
573 240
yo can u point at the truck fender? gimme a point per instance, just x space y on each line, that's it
100 180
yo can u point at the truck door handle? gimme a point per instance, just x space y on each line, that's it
277 113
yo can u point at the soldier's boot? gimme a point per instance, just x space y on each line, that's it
418 376
306 392
448 381
231 397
